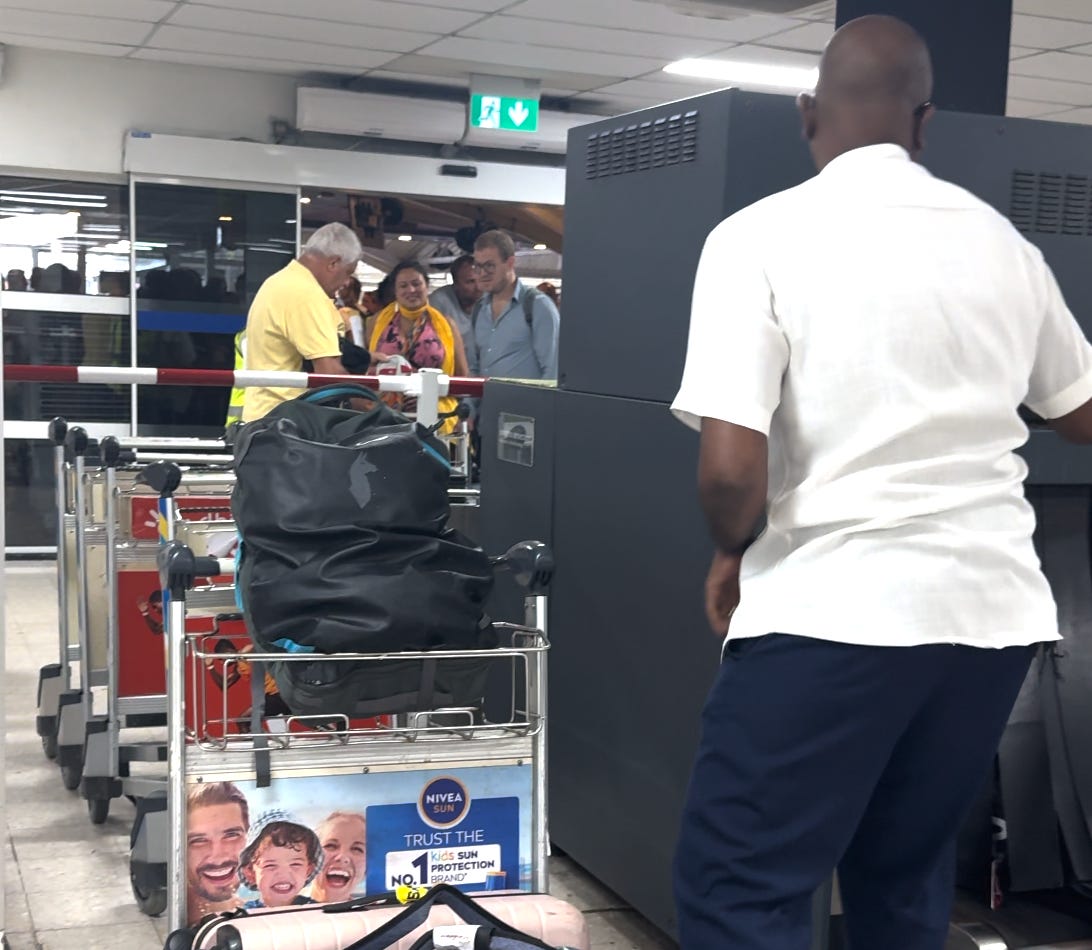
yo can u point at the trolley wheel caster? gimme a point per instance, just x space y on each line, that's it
148 888
49 746
71 775
98 810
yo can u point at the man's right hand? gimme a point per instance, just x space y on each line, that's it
722 591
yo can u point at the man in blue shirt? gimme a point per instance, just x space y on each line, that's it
457 300
511 337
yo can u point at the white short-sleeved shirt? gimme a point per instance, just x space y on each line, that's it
882 327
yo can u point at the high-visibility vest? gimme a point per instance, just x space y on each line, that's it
238 394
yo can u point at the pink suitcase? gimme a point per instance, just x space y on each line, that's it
551 920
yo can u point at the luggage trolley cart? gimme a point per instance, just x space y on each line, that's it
59 695
441 795
55 679
131 512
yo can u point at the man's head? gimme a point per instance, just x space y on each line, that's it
217 819
495 261
464 278
875 81
331 254
281 859
16 280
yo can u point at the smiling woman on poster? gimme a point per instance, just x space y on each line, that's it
342 835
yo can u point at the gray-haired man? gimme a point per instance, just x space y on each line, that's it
293 317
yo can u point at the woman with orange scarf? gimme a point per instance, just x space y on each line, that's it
410 328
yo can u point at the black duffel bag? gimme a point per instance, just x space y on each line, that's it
345 549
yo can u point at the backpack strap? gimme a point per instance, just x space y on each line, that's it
529 297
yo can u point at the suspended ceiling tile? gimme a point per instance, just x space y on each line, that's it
66 46
1023 109
482 6
654 93
496 57
69 26
1065 9
378 13
811 36
1046 33
1068 66
245 64
298 29
415 64
820 11
1078 116
652 16
751 53
147 10
261 47
514 29
1050 90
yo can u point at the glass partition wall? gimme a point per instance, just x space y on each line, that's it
200 254
79 260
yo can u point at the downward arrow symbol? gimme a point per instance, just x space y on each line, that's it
518 113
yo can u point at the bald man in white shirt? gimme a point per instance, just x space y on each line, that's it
859 385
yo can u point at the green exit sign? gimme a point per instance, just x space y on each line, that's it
504 112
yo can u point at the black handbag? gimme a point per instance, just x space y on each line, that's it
345 548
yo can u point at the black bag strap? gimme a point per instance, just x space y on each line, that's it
529 296
416 915
262 765
487 938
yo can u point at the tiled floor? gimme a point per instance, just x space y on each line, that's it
66 880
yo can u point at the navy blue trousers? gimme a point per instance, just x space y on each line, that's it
816 756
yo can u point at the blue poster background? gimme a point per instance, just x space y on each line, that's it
488 821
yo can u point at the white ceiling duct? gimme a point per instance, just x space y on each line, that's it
338 112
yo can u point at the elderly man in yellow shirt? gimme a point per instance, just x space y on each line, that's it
293 317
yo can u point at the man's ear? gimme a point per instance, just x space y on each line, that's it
919 128
805 104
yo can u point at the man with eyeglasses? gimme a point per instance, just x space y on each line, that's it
859 349
514 328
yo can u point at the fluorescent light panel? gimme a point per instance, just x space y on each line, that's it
56 194
23 200
751 74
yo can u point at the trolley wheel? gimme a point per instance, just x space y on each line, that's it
148 889
98 810
71 775
49 746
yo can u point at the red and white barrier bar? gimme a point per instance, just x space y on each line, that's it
410 384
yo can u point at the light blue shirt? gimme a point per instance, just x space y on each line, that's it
507 347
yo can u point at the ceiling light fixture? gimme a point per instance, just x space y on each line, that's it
57 194
22 199
540 247
305 200
405 237
749 74
226 217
